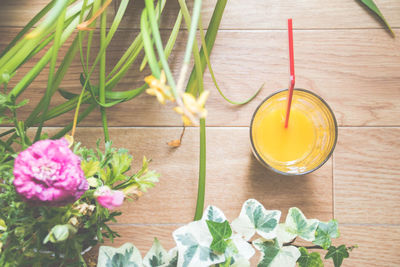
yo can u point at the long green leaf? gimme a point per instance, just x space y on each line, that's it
28 26
201 188
210 40
148 46
204 47
370 4
159 46
171 41
34 72
196 55
102 74
53 61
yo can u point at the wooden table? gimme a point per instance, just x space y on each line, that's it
342 53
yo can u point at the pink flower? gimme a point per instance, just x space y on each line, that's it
48 172
108 198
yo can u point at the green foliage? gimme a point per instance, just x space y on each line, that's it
67 230
273 255
220 233
325 232
370 4
126 255
312 259
255 218
157 255
296 224
210 241
60 233
337 254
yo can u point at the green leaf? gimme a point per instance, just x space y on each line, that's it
121 163
59 233
275 256
126 255
325 232
239 250
147 180
173 258
296 224
337 254
220 232
90 167
193 253
309 260
194 240
67 95
157 255
255 218
3 226
372 7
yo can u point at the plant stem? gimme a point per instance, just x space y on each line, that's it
202 172
307 247
102 78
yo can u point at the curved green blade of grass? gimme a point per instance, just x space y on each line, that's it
148 45
53 61
196 55
102 74
171 41
370 4
204 46
34 72
28 26
210 40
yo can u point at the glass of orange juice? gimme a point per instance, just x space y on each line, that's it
308 141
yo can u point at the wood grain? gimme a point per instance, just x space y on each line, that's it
341 53
240 14
367 175
355 71
233 176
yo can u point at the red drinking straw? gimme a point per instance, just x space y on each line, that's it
292 77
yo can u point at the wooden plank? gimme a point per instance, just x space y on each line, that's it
240 14
368 238
355 71
367 175
233 176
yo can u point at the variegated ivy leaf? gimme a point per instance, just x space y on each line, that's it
296 224
325 232
275 256
194 240
157 255
126 255
173 258
214 214
238 249
255 218
283 236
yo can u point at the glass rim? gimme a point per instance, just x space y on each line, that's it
258 156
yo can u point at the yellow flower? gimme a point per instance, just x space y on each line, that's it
195 107
159 88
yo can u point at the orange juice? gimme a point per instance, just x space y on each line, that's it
305 144
285 144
